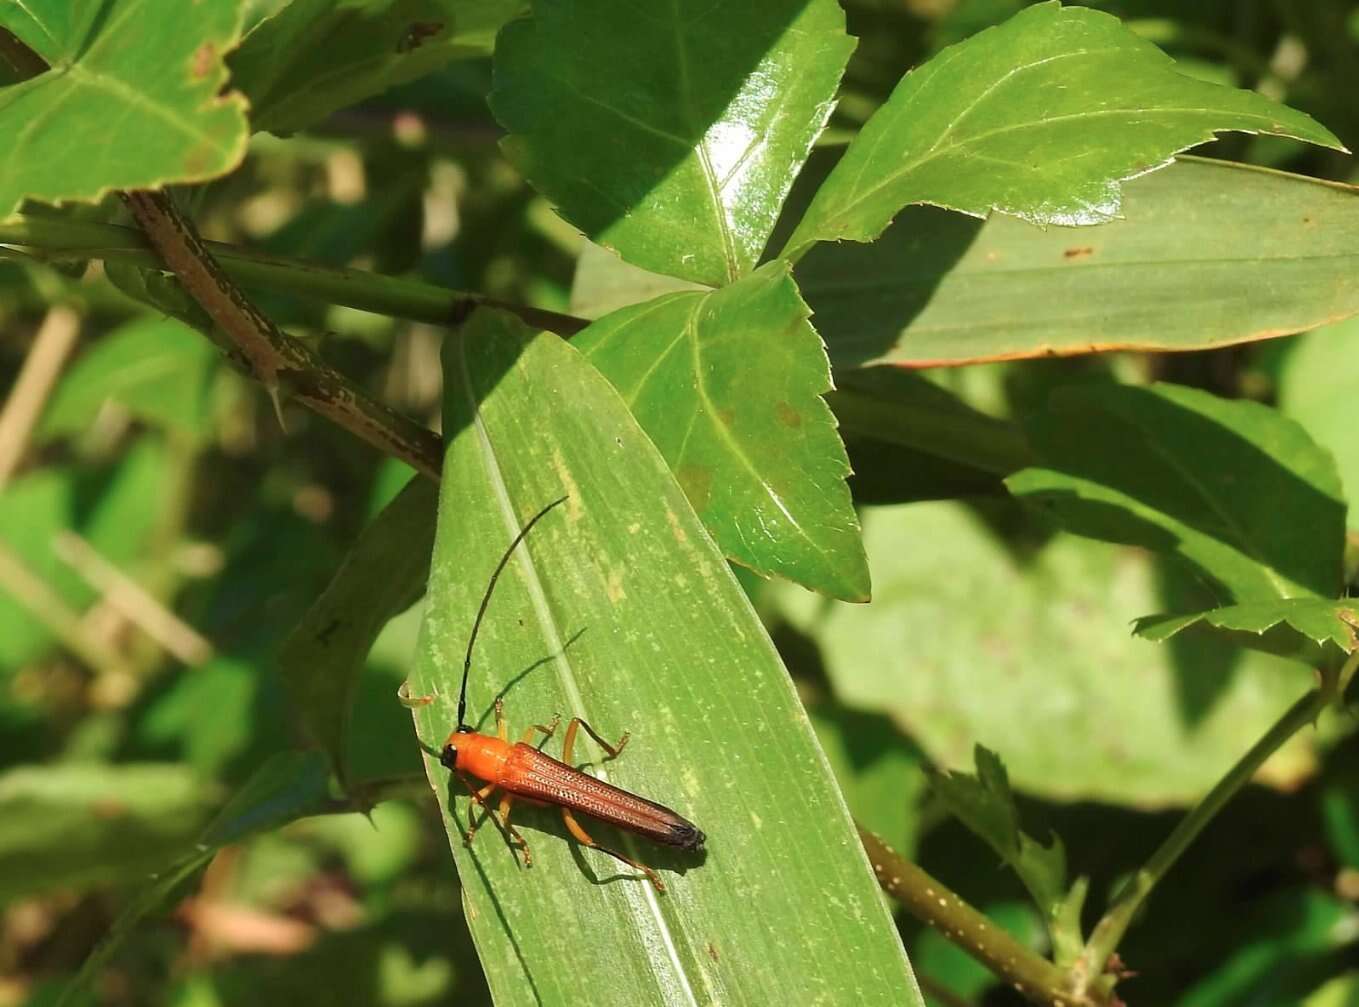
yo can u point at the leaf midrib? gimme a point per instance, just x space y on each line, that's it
655 919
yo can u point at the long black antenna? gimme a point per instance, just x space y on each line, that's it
467 663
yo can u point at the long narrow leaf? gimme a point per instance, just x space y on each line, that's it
619 608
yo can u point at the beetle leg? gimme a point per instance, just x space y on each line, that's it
507 802
613 750
479 797
584 839
547 730
502 732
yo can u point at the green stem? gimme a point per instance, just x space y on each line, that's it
354 288
1109 931
1038 979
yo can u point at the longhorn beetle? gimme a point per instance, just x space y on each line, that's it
521 771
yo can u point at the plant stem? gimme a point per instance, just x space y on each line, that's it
280 362
1038 979
1109 931
354 288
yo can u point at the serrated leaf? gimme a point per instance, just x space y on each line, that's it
382 576
316 56
1233 488
1041 117
1207 254
75 825
759 460
669 133
132 99
985 805
158 368
619 608
1315 631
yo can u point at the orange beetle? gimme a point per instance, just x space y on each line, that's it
521 771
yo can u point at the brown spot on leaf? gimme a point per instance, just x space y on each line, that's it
1078 252
202 61
726 417
787 415
200 160
697 483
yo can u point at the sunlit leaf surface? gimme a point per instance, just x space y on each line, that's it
619 608
670 132
132 100
728 386
1042 117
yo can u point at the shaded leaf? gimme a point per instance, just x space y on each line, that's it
1315 631
672 135
1233 488
759 460
619 608
113 508
382 576
1319 387
1206 254
973 639
76 825
895 406
603 283
131 100
985 805
1041 117
288 786
316 56
159 369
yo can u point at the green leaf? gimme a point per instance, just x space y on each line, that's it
985 805
1206 254
382 576
756 452
673 136
897 407
158 368
1319 387
316 56
1234 489
619 608
1315 631
113 508
1278 948
603 282
132 99
77 825
288 786
974 638
1041 117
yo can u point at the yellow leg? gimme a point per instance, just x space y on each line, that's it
546 730
569 746
479 798
506 803
584 839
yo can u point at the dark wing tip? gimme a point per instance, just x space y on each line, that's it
687 836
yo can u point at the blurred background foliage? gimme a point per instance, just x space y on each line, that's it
118 741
